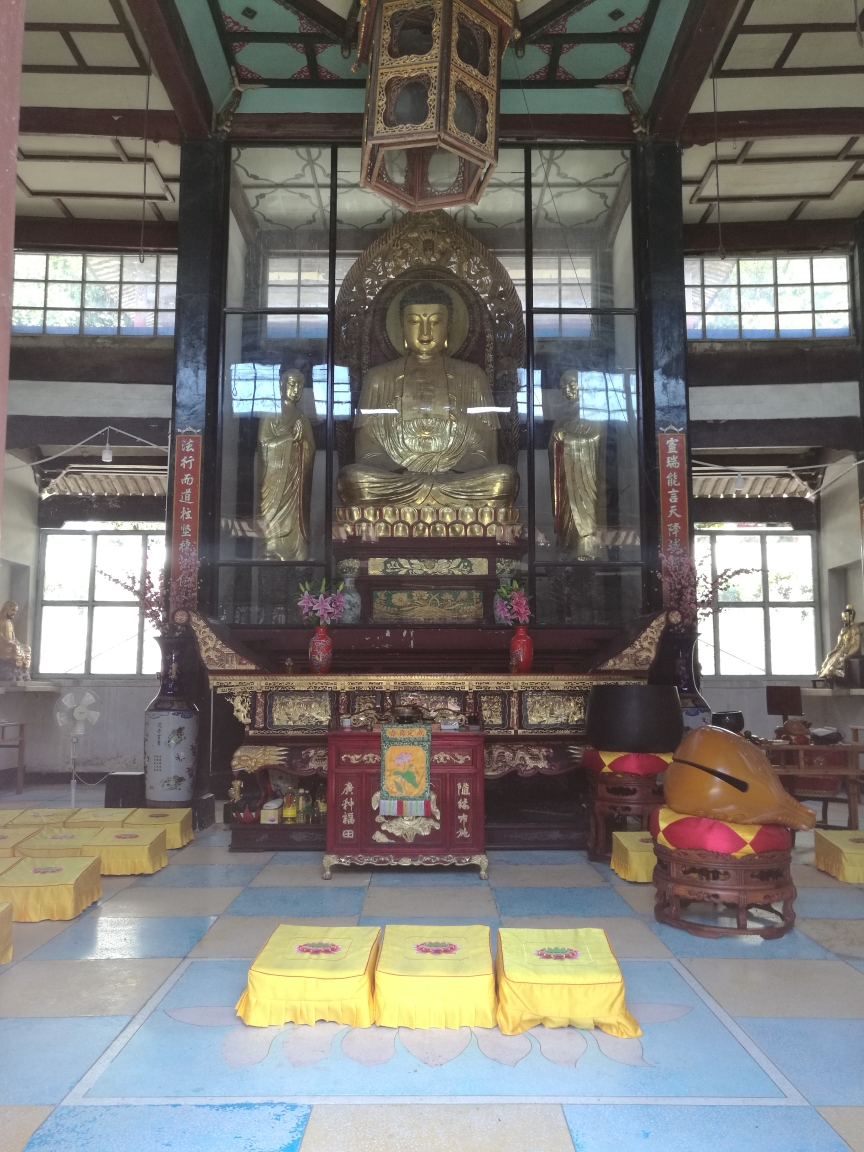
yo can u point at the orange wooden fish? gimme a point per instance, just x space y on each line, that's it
717 774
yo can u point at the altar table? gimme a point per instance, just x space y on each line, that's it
306 974
793 761
435 977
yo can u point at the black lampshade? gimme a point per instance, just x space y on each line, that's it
634 718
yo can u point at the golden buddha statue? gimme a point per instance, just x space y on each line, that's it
575 473
426 430
14 656
848 644
286 453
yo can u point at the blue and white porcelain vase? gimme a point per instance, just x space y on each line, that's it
352 610
170 734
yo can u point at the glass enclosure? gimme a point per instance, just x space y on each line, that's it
541 384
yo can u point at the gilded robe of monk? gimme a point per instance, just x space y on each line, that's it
426 430
848 644
14 656
286 456
576 450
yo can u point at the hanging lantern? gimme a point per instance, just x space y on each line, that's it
431 127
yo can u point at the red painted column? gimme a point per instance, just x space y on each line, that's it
11 50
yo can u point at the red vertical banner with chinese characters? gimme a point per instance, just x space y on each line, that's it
674 519
184 522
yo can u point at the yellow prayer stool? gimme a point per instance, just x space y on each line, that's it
10 838
840 854
129 851
99 817
177 823
306 974
41 817
440 977
559 977
59 888
7 815
633 856
5 933
56 840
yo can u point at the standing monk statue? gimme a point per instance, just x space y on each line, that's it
848 644
286 455
575 473
14 656
426 430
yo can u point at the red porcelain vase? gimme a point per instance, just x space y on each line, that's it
320 651
521 650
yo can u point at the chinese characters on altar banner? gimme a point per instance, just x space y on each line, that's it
463 791
674 521
348 811
184 522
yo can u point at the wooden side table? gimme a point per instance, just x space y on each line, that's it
613 797
793 761
358 834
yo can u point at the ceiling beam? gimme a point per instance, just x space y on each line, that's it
85 235
700 35
166 38
699 128
770 236
127 122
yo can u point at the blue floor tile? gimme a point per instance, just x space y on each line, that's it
180 1127
793 946
859 964
822 1058
203 876
560 902
290 902
42 1059
122 937
667 1128
423 878
208 984
830 904
510 856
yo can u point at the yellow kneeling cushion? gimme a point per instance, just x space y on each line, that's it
40 817
177 823
435 977
128 851
58 888
560 977
99 817
306 974
57 841
5 933
10 838
840 854
633 856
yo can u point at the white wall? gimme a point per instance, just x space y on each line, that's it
19 543
840 543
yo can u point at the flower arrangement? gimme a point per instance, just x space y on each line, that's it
689 593
151 595
323 608
513 603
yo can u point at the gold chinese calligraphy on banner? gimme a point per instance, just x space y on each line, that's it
674 518
185 522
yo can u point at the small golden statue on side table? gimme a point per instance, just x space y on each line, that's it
14 656
286 453
848 644
426 428
576 476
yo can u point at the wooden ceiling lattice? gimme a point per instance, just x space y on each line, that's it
83 48
761 48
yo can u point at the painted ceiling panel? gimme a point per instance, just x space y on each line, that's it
105 49
274 61
826 50
64 91
797 178
659 44
827 146
847 204
207 48
269 16
800 11
741 95
756 51
601 16
47 48
74 11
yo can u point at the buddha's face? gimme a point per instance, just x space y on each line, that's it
292 386
570 385
425 328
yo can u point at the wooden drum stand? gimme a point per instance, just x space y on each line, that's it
686 875
613 797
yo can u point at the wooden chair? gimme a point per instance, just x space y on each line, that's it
16 741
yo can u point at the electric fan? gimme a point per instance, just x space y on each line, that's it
75 712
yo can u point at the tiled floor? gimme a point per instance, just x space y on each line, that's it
118 1031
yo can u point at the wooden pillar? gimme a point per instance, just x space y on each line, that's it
193 488
857 278
659 257
11 50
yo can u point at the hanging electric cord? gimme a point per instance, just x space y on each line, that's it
720 250
81 443
146 161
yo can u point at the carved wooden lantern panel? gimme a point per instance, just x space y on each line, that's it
431 130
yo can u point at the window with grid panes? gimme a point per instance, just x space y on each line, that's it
764 622
87 624
766 297
93 294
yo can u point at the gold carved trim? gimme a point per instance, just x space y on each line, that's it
452 758
225 682
382 860
640 655
524 759
418 566
215 654
359 758
241 702
551 709
299 709
251 757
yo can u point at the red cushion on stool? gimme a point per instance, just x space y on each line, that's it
636 763
673 830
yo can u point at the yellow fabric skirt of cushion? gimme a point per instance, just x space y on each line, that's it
435 977
177 823
59 888
560 977
5 933
306 974
840 854
633 856
128 851
56 840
